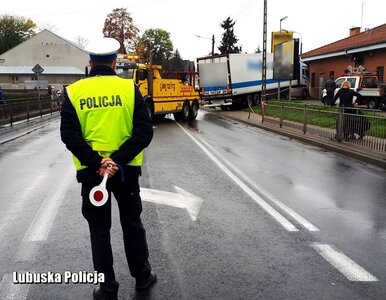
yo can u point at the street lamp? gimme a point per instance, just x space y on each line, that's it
282 19
212 38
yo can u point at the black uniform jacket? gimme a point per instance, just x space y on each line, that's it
346 96
71 134
330 85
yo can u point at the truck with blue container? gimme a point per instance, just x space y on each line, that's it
236 80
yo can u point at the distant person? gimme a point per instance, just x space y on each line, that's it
49 91
330 87
1 96
346 96
58 95
382 93
3 102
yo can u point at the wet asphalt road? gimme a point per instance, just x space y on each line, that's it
248 215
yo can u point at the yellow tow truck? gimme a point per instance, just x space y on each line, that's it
163 96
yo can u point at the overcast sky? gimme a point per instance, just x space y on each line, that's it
316 23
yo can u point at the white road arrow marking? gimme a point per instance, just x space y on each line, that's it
181 199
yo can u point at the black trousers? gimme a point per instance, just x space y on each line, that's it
329 97
134 236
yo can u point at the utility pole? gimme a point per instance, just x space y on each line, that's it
213 45
264 75
203 37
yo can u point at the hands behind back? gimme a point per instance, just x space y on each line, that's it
104 167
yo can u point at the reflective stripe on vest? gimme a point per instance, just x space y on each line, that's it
105 107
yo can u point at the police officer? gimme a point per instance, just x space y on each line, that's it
105 122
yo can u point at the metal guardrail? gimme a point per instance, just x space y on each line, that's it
357 126
17 110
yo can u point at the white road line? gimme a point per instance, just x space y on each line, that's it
11 291
301 220
343 264
21 204
268 208
42 222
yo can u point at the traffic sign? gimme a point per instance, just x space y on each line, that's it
37 69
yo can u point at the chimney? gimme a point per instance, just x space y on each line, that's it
355 31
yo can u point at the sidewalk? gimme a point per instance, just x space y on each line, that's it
377 158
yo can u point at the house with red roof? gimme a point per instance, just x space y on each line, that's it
362 48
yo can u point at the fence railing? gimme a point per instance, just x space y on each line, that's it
17 110
361 127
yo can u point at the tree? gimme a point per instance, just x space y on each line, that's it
119 25
229 40
158 41
175 63
81 41
14 30
48 26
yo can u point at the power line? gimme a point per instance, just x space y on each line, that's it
58 13
245 10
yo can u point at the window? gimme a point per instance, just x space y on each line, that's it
312 79
369 82
14 79
125 73
339 82
381 73
352 81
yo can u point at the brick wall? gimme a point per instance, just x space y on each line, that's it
321 69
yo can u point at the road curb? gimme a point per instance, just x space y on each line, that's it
14 132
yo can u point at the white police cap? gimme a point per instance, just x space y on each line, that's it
103 49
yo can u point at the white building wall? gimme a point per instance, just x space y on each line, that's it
45 49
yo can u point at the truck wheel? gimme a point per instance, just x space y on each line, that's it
256 100
249 100
185 111
372 103
193 112
284 94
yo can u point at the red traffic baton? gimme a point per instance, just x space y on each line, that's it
98 194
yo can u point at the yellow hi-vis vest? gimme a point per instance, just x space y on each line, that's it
105 107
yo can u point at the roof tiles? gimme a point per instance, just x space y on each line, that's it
368 37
